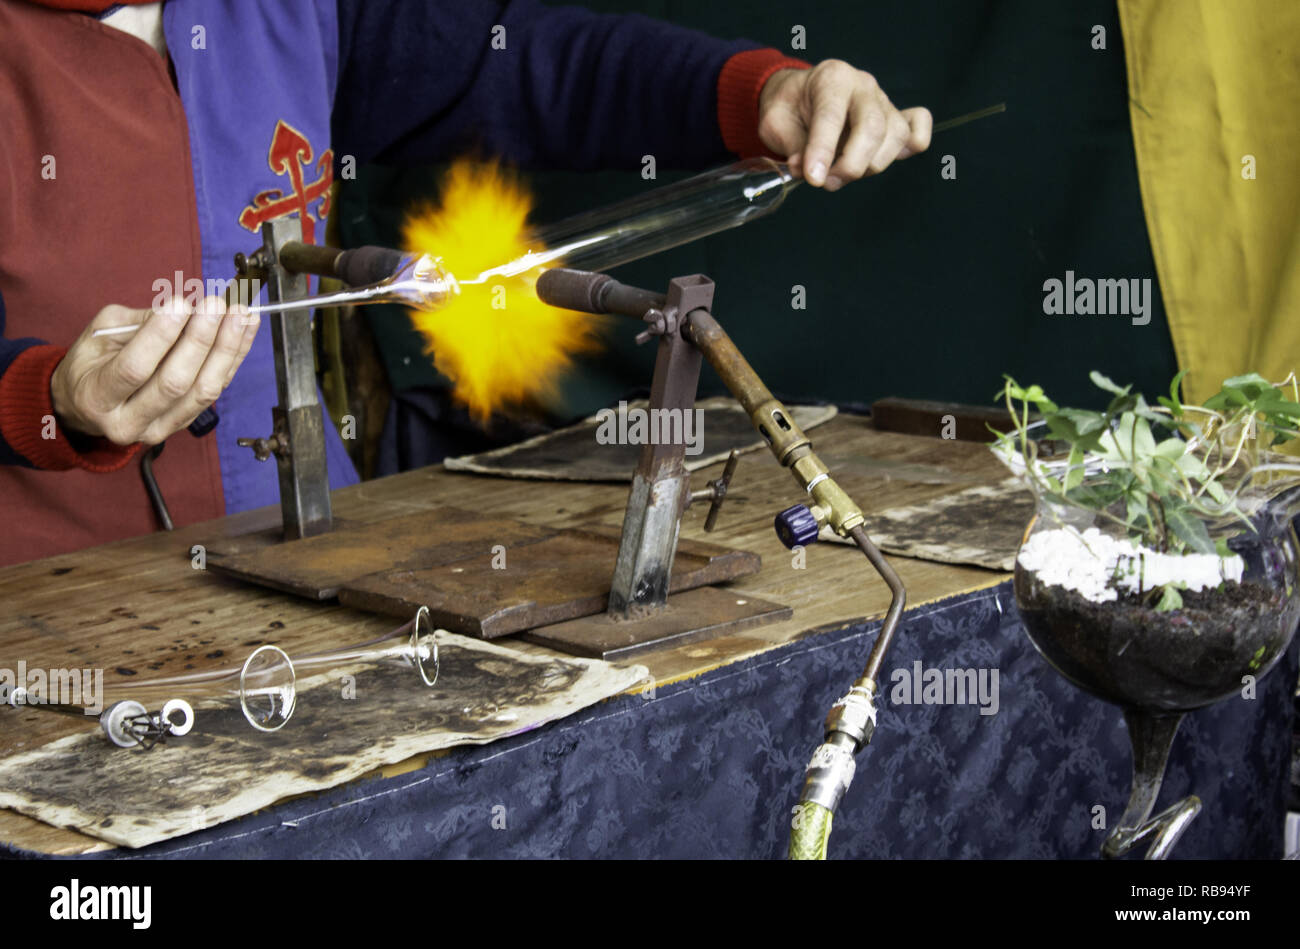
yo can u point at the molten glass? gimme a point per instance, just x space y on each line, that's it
500 345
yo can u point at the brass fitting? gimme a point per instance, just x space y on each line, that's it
831 505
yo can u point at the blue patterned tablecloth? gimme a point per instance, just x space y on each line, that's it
712 766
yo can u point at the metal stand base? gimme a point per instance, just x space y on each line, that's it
689 616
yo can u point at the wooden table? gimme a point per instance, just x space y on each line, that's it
139 606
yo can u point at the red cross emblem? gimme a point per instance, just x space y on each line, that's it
290 154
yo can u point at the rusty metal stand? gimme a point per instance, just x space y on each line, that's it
297 437
641 616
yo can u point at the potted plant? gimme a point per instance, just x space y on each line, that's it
1161 566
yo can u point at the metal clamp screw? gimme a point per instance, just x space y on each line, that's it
716 491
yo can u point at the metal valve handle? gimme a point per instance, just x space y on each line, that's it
716 491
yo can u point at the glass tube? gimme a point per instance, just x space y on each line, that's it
666 217
616 234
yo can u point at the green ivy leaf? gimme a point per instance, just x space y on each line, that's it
1189 528
1258 659
1170 599
1175 403
1171 449
1104 383
1074 470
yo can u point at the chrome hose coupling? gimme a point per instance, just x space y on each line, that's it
849 727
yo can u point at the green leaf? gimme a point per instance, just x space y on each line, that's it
1250 380
1175 403
1189 528
1120 404
1226 397
1171 449
1104 383
1170 599
1136 508
1075 471
1258 659
1216 492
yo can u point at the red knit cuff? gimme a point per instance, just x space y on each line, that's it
739 86
27 414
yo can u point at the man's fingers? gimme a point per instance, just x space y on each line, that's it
895 139
176 374
921 126
859 146
250 323
122 376
829 104
782 130
228 351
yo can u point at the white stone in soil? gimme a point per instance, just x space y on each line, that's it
1099 567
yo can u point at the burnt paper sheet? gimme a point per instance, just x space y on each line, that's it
348 721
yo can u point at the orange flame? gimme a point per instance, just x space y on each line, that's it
502 347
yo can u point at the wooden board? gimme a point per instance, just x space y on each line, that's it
479 575
980 525
560 578
139 607
318 567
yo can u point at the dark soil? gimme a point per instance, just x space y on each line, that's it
1128 653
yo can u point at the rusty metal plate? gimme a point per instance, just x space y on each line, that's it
557 578
317 567
690 616
480 575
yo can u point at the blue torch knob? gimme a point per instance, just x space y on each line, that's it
796 526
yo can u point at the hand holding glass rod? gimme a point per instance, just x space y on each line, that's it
418 281
595 241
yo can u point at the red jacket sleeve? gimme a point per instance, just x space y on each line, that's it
27 419
739 85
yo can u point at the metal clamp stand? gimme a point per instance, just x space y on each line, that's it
298 433
640 614
660 485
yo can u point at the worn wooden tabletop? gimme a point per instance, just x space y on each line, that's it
140 608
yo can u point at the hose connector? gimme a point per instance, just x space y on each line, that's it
855 714
829 773
849 727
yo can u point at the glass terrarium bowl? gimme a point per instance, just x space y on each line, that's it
1123 649
1087 597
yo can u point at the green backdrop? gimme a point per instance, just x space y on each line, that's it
916 285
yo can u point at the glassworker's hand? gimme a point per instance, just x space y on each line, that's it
144 387
835 124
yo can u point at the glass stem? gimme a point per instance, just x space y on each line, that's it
1151 735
